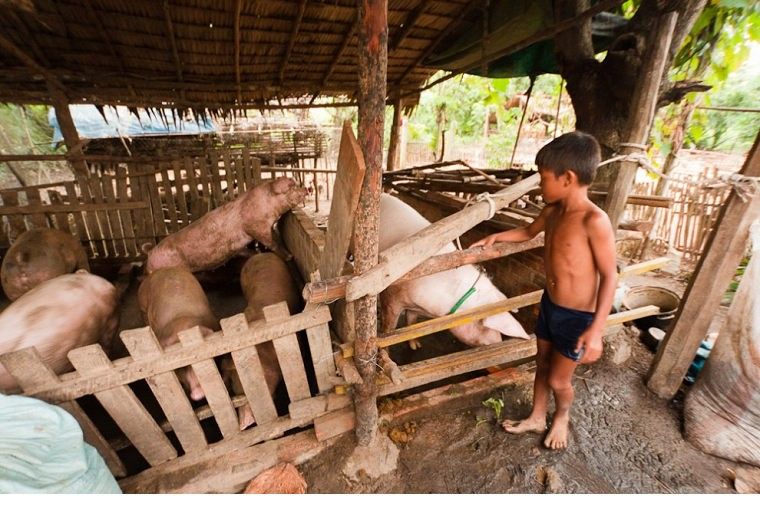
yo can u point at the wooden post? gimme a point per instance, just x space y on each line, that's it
642 111
373 61
393 147
716 267
69 132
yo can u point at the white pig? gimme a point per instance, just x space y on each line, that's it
56 316
436 294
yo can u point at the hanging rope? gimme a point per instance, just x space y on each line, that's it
745 187
522 118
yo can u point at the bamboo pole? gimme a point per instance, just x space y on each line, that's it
373 61
393 147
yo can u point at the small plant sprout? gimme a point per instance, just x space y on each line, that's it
496 405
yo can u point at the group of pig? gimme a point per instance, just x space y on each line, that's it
58 305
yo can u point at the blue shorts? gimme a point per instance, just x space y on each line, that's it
562 326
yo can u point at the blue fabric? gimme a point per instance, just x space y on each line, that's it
42 451
562 326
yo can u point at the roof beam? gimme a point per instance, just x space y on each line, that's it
349 35
238 10
104 35
30 62
292 41
173 42
454 23
409 23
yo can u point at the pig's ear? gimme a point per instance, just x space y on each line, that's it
506 324
282 185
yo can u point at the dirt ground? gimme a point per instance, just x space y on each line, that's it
623 439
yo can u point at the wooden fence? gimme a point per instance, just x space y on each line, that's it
146 429
686 225
128 203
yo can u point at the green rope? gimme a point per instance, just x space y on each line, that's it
461 300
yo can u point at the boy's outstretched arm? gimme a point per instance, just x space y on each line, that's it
519 234
602 241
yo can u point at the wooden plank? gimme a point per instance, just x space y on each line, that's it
216 184
213 385
169 199
402 257
114 220
102 216
128 225
195 199
184 216
17 225
127 370
230 191
288 355
90 218
61 219
716 267
246 170
39 220
320 346
256 172
250 371
125 409
30 372
335 423
649 265
166 387
75 207
348 185
303 239
156 208
84 238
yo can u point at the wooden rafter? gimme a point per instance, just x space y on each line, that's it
238 9
31 63
445 33
173 43
409 23
29 38
292 41
339 54
104 35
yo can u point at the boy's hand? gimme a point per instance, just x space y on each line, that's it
591 342
486 241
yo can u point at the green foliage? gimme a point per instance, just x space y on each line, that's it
496 405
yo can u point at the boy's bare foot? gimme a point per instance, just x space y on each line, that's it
527 425
557 437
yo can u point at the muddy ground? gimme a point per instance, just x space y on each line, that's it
623 440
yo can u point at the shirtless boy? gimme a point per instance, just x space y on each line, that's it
579 260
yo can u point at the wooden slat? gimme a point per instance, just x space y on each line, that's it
216 184
288 355
117 230
62 218
230 194
156 207
91 218
303 239
256 172
348 186
102 216
84 237
245 170
18 227
128 225
251 373
30 372
404 256
33 198
320 345
169 199
125 409
213 385
184 217
166 387
195 199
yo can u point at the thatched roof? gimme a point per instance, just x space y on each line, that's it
206 54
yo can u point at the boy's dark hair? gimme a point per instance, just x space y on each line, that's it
576 151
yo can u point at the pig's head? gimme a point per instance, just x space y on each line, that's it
289 189
502 323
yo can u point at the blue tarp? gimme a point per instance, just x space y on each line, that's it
122 123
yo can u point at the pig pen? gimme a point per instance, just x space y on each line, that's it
149 434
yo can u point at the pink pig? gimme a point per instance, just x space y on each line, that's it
171 301
56 316
436 294
38 255
224 232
